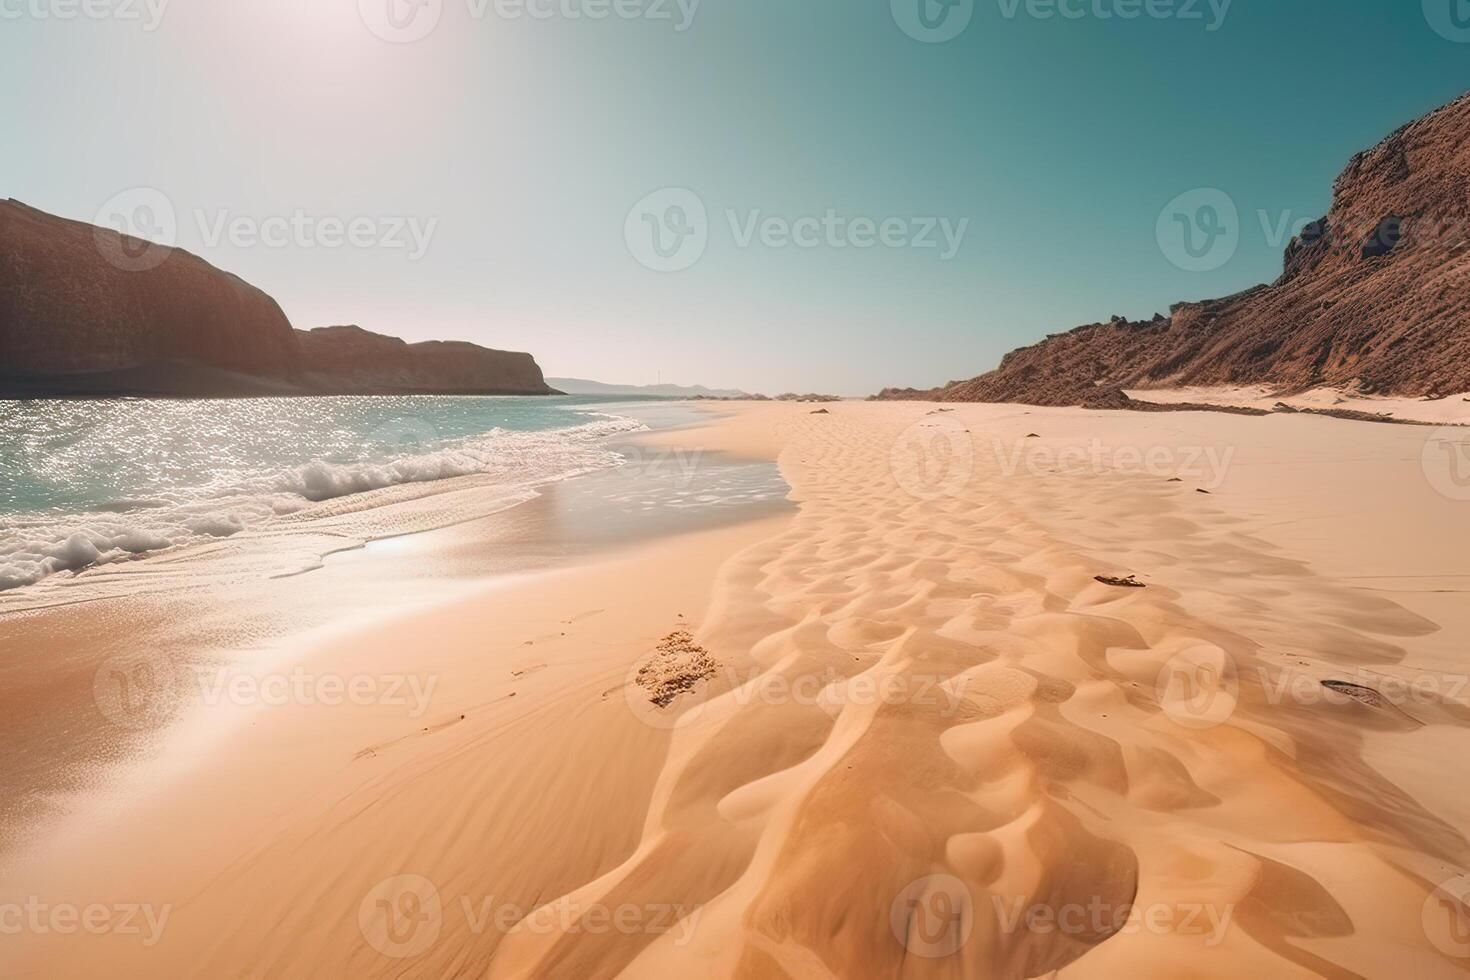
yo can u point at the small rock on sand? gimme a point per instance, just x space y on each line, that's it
1131 582
678 664
1359 693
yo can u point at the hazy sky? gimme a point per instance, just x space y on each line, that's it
857 201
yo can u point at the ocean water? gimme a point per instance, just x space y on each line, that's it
89 483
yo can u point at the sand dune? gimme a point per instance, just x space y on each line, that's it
933 744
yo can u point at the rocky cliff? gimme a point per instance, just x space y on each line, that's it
88 311
351 360
85 308
1376 294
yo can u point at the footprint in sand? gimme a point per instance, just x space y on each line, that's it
581 616
372 750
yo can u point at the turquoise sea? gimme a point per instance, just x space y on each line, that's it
84 483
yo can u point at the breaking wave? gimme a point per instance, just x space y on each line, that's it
36 546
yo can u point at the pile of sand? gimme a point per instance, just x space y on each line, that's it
677 665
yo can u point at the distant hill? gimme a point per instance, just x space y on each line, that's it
1373 295
581 386
350 360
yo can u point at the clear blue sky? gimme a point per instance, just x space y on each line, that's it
526 141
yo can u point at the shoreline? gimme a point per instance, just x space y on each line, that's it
75 672
781 809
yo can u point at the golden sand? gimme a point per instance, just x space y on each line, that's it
934 742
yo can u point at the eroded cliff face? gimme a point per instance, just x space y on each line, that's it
351 360
87 311
80 305
1377 293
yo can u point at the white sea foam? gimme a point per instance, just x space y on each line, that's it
512 462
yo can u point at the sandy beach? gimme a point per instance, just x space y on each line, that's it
905 729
